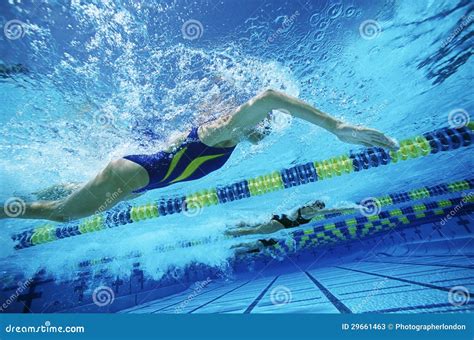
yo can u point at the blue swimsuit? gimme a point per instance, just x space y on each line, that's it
191 160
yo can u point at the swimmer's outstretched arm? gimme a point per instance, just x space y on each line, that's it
334 210
248 115
246 248
269 227
273 226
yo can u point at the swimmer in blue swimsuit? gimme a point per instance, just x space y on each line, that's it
191 160
192 156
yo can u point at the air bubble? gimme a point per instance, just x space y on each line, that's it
350 12
319 36
313 21
315 47
335 11
324 57
323 23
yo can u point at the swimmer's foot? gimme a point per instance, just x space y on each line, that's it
365 136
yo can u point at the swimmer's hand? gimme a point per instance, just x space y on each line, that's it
364 136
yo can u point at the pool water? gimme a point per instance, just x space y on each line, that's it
83 83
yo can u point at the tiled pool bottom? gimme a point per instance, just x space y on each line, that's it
406 270
376 284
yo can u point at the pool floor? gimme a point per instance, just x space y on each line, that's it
381 284
413 268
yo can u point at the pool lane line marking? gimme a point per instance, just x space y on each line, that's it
217 298
340 306
371 290
147 304
427 285
260 296
184 293
424 264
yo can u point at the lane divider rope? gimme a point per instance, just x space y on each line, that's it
312 234
363 226
440 140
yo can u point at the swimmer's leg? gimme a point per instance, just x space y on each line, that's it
246 248
57 191
112 185
60 191
265 228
